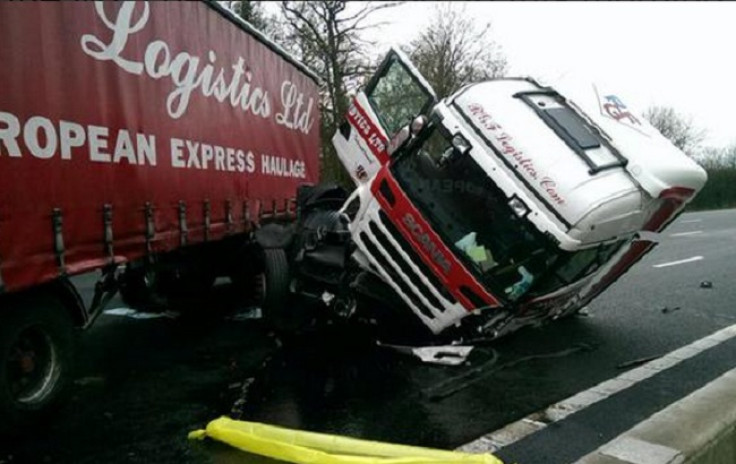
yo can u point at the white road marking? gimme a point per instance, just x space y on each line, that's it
636 451
684 234
682 261
537 421
690 221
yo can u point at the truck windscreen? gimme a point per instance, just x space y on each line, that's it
475 220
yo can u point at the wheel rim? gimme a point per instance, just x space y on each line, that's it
32 366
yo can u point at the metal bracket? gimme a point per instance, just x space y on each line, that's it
246 215
229 217
183 230
150 228
207 220
291 208
58 224
105 288
107 221
261 213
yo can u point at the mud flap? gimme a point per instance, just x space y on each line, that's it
308 447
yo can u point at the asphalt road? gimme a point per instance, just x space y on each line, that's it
142 385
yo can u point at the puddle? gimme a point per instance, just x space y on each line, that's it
133 314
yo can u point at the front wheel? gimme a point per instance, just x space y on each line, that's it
280 308
35 359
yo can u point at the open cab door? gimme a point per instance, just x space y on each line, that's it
393 97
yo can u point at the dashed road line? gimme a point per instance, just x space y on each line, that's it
537 421
690 221
682 261
685 234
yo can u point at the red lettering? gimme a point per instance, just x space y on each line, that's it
550 187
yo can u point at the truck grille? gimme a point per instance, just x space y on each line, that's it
407 248
421 295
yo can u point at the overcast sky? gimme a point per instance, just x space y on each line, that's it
670 53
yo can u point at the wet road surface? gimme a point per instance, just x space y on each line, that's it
142 385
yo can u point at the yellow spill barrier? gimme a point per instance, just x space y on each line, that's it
317 448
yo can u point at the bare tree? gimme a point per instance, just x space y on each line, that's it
453 51
253 12
679 129
327 38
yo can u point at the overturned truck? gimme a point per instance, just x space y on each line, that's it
505 204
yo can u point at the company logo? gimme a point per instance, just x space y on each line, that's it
230 84
360 173
429 246
616 109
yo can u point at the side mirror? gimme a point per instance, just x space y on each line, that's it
398 140
419 123
405 133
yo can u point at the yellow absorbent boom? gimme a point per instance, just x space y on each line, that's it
318 448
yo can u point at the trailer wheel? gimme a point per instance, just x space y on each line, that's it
35 359
279 308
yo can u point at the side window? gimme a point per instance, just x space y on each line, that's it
396 94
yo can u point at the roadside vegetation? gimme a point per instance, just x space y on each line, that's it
720 163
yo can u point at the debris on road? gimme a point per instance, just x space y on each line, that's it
637 362
706 284
327 298
447 355
133 314
308 447
472 376
249 314
667 309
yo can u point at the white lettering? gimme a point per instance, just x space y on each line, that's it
97 143
32 137
9 133
184 70
251 162
240 161
230 153
282 167
71 135
207 155
176 153
124 148
219 158
193 158
178 100
292 116
122 28
146 149
155 52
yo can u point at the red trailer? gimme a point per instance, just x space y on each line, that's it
160 135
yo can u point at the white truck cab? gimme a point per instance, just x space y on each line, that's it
509 201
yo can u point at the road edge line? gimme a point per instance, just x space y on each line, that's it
515 431
699 428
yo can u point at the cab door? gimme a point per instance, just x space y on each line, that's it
393 97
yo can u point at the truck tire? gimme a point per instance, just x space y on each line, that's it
279 310
36 343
